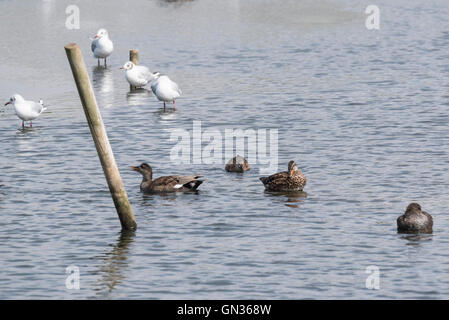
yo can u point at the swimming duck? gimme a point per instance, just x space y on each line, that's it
291 180
165 89
102 46
237 164
414 220
26 110
137 76
166 183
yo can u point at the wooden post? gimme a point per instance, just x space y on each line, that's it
100 137
134 58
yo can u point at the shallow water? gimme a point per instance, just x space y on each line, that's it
364 114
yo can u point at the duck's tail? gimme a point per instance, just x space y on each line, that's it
193 185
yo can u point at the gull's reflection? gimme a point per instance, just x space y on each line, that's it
47 8
291 198
138 97
25 130
115 262
103 84
167 114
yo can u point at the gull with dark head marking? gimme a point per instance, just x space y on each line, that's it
26 110
137 75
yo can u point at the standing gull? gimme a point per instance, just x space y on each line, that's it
101 45
137 76
165 89
26 110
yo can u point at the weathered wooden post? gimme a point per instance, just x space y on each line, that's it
134 58
100 137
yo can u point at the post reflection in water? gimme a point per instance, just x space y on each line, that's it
115 262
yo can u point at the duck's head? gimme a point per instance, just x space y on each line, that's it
413 208
144 169
127 66
241 163
101 33
292 167
14 98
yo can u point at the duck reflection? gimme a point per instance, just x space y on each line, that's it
115 262
415 239
176 3
149 198
103 83
291 199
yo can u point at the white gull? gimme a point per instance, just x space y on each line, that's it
101 45
137 75
165 89
26 110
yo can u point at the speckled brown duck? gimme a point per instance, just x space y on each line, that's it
291 180
414 220
166 183
237 164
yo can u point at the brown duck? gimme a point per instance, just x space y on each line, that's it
291 180
166 183
237 164
414 220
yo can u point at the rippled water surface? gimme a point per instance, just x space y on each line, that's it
364 114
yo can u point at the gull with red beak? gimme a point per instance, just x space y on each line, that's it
102 46
26 110
138 76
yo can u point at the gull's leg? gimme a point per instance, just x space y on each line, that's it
174 105
98 62
164 105
23 124
105 62
31 124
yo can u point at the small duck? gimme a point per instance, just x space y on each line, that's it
166 183
102 46
137 76
26 110
291 180
237 164
414 220
165 89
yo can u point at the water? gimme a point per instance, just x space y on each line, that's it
364 114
